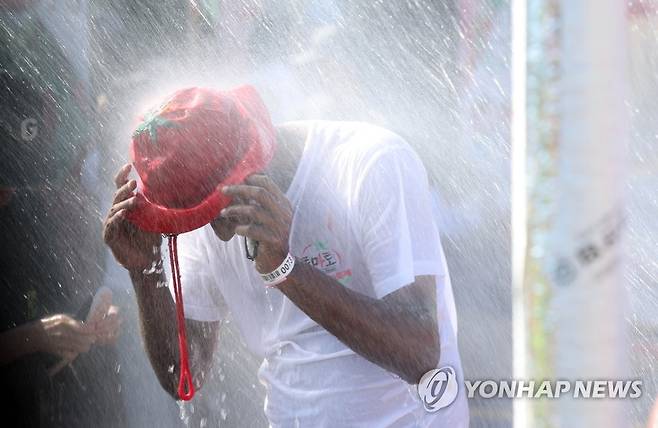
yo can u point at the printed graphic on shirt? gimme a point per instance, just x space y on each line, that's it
328 260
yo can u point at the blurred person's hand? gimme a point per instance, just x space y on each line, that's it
63 336
103 322
109 328
59 335
132 247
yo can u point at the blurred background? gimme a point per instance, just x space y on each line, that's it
435 71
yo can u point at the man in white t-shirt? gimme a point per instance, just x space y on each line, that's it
359 306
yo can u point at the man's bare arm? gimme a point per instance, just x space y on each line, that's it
157 314
398 333
136 249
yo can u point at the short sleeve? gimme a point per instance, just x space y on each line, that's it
202 297
396 230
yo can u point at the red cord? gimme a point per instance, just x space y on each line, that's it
185 380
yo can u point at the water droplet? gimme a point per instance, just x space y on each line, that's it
156 268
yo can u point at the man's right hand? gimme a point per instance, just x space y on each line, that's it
133 248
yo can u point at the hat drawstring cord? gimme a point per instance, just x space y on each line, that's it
185 384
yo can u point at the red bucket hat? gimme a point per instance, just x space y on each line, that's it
184 152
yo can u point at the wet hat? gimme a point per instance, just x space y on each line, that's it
185 150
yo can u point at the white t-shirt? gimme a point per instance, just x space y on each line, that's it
362 214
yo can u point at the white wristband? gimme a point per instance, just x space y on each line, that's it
279 274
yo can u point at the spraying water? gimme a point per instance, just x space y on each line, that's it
437 73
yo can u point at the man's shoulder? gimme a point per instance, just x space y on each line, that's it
352 138
373 145
343 129
352 150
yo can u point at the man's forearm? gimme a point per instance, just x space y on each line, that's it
392 336
157 315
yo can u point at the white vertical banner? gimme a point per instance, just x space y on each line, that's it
588 305
570 165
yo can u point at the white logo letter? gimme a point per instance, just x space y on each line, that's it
562 386
471 386
636 386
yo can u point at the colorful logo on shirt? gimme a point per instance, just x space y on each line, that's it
438 388
328 260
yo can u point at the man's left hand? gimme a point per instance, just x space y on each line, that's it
265 215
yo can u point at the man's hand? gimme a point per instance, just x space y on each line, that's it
63 336
266 218
133 248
